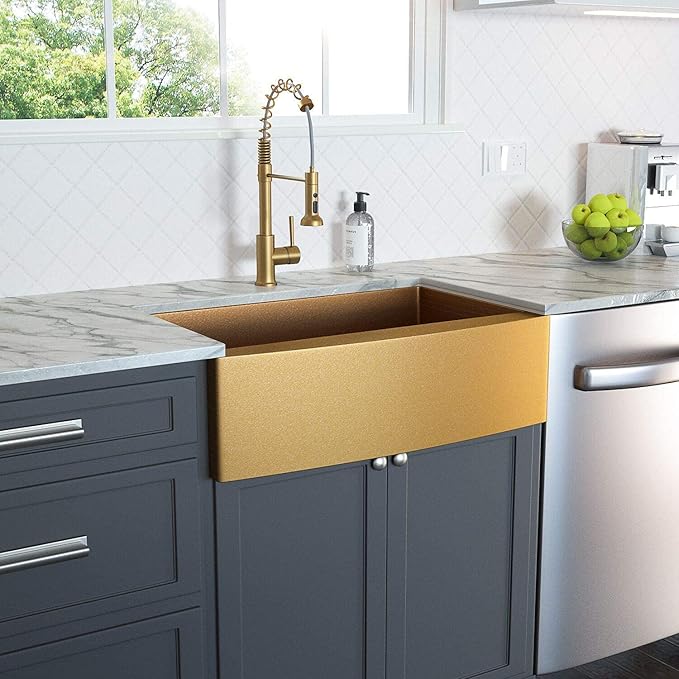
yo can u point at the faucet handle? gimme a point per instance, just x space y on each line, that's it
291 223
289 254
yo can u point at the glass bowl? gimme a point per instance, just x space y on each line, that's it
610 246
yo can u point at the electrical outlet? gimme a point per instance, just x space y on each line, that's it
504 158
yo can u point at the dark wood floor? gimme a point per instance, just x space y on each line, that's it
659 660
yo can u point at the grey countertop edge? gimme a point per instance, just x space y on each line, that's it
60 371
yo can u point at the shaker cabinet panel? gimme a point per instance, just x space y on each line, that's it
463 524
139 543
98 417
301 574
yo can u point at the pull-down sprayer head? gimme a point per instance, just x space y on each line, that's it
311 216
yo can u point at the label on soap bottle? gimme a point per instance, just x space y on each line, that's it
356 244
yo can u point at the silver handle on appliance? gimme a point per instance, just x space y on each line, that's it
40 555
53 432
629 376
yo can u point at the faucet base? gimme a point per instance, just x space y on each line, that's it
266 269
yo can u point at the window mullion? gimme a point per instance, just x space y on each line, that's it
434 68
418 73
109 47
223 61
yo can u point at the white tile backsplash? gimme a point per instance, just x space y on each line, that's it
105 214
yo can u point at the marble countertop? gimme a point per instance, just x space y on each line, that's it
62 335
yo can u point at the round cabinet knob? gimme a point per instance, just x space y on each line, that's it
379 463
400 459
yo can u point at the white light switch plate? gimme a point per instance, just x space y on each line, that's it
504 158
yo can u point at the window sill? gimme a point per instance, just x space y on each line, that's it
281 132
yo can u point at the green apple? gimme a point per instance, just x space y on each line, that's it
576 233
620 251
634 218
606 243
580 213
600 203
627 238
617 218
589 250
597 224
618 200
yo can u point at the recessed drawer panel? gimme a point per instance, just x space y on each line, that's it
163 648
53 430
98 544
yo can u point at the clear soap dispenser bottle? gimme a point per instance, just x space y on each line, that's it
359 237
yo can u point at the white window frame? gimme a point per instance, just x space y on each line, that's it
427 99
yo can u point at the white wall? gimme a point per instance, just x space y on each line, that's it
106 214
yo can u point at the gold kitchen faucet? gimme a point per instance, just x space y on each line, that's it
268 255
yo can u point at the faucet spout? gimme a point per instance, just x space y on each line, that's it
268 255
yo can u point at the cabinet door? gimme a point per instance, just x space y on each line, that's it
301 574
462 549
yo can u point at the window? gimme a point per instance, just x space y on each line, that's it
52 59
350 58
207 64
166 55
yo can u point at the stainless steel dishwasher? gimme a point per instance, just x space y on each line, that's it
609 570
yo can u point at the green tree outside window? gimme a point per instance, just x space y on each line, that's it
53 62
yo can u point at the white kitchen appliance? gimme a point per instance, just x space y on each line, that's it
647 174
609 569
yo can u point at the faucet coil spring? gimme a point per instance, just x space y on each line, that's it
264 151
281 86
305 104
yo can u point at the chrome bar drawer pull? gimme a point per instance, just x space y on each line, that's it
41 434
40 555
626 376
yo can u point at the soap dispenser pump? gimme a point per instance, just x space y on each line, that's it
359 237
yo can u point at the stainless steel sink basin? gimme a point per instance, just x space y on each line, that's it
320 381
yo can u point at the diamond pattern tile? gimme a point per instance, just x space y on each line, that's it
104 214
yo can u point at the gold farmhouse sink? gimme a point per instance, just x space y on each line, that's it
326 380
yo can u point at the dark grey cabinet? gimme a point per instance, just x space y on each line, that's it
115 467
425 570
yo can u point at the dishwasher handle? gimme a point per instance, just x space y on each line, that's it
626 376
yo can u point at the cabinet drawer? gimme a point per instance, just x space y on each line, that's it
98 544
162 648
91 423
